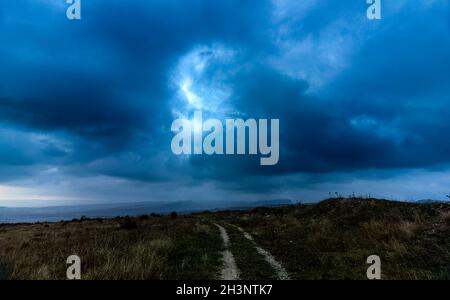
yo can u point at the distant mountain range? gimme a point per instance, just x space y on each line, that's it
59 213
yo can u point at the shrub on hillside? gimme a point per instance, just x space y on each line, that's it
128 224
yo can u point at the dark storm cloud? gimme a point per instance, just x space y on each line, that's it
387 110
106 78
317 135
100 89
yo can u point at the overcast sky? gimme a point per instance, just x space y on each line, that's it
86 106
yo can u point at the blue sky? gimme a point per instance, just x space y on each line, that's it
86 106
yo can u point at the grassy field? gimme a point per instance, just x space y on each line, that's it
333 239
157 248
330 240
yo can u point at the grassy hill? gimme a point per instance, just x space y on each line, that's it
329 240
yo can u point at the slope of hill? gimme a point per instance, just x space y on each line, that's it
329 240
430 201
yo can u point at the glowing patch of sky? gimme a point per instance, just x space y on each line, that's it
200 80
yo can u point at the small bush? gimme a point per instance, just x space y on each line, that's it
128 224
143 217
173 215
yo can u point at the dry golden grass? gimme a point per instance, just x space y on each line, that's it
159 248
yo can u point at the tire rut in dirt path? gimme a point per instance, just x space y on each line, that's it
281 273
251 264
229 269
